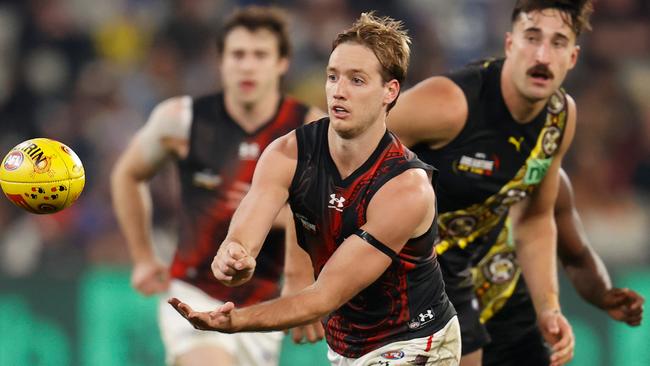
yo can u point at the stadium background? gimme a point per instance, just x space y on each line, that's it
88 72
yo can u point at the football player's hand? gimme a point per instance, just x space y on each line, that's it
624 305
232 265
150 277
219 319
558 333
309 333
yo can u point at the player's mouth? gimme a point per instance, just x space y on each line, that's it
339 111
540 74
247 85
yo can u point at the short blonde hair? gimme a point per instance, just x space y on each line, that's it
388 40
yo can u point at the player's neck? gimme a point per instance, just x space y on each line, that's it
250 116
521 109
350 154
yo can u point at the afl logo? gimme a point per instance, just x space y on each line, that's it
393 355
500 268
14 160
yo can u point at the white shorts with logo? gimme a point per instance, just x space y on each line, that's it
179 337
440 349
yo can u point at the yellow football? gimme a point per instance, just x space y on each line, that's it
42 176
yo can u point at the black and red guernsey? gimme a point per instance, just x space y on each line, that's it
408 300
221 153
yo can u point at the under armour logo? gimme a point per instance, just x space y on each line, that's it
424 317
336 202
249 151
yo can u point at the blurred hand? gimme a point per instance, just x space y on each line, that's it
150 277
624 305
219 319
236 193
309 333
558 333
232 265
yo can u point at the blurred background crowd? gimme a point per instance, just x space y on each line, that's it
88 72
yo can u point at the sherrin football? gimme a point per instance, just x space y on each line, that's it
42 176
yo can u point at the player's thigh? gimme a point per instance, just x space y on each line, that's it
262 348
525 349
473 332
472 359
205 355
439 349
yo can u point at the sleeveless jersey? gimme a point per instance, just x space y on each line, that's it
506 306
408 300
221 153
492 164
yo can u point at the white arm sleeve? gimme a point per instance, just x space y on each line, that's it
170 119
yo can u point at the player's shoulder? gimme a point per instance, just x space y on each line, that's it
286 145
410 185
172 110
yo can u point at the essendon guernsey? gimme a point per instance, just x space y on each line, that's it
408 300
221 156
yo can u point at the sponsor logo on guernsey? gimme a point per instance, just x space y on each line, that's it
206 179
336 202
249 151
478 164
393 355
536 170
422 319
305 223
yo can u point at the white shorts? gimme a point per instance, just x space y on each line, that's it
440 349
179 337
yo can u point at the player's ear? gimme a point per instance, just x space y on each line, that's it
392 91
574 56
508 43
283 65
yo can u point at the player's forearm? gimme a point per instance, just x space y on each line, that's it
132 206
588 275
286 312
536 253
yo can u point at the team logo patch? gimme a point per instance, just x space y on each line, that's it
14 160
393 355
555 103
500 268
551 140
462 225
